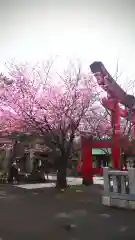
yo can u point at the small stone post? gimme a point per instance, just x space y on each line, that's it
131 174
106 181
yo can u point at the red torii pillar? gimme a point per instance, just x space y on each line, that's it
113 106
115 114
87 162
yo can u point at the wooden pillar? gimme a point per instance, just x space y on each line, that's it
29 162
134 130
87 162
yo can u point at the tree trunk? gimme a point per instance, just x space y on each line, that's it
61 182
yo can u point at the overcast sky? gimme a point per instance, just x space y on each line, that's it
91 30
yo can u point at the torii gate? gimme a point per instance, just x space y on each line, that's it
115 95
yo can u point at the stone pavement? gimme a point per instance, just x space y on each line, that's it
71 181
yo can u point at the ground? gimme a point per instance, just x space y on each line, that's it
77 213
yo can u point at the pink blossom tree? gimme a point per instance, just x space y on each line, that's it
60 106
4 113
